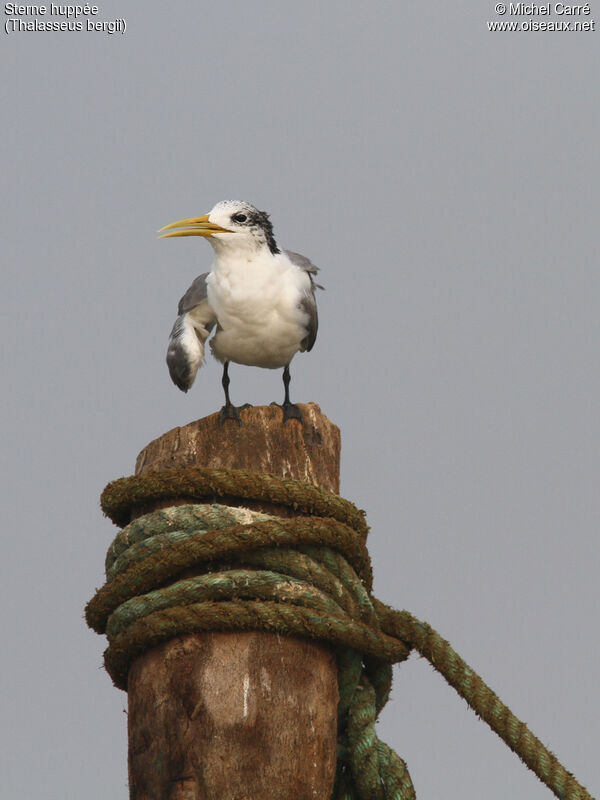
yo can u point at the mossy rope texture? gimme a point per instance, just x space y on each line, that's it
307 575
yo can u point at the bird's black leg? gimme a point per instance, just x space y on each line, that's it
229 411
290 410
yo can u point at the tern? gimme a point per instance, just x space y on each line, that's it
260 298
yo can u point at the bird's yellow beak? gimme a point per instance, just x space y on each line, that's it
194 226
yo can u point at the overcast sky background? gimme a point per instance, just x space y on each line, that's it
445 179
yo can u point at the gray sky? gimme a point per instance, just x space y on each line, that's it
445 178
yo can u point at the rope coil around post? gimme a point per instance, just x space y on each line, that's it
308 575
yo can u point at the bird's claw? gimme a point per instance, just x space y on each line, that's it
290 411
229 411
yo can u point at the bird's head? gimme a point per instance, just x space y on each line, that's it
231 225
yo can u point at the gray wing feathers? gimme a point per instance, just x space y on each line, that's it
192 327
308 301
304 263
301 261
195 295
309 305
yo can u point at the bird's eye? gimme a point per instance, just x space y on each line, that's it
239 218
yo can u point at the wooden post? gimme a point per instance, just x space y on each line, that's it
249 715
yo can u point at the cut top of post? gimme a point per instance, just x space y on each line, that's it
307 451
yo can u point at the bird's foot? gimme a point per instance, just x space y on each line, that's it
229 411
290 411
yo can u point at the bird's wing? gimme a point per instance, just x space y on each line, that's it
192 327
195 295
303 262
308 302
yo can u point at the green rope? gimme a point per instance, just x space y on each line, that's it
124 495
175 551
309 576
